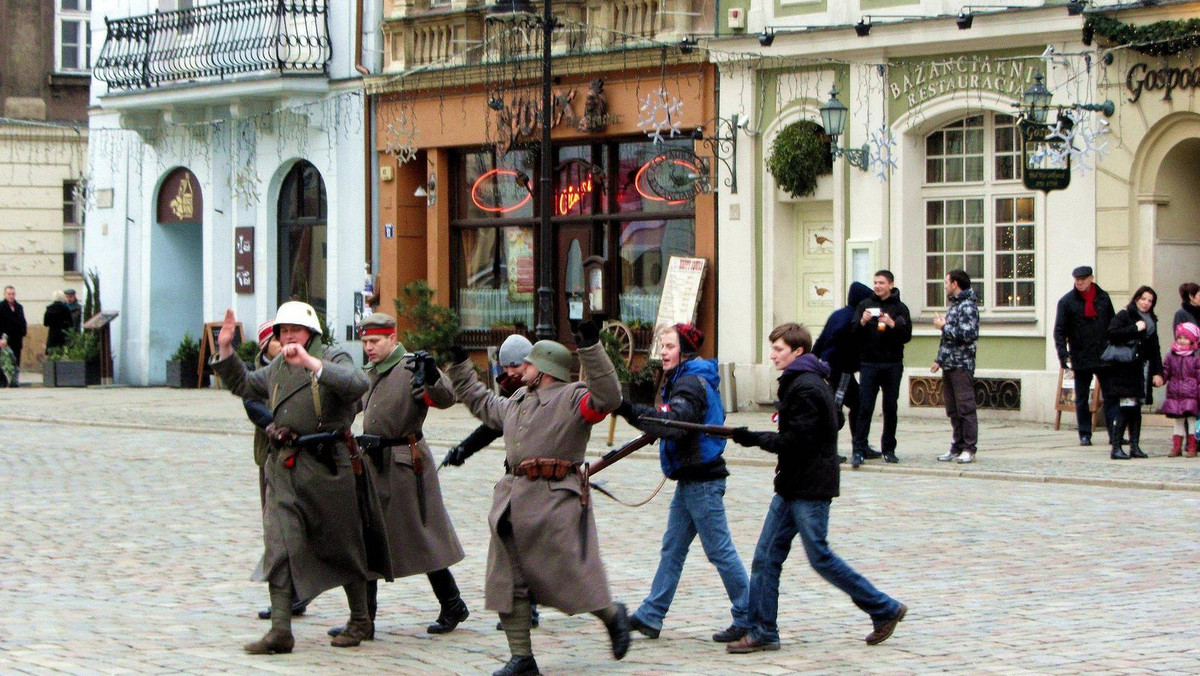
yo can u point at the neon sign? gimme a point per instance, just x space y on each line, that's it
646 192
570 196
506 191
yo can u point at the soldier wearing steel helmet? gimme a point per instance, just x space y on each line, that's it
403 388
544 546
312 525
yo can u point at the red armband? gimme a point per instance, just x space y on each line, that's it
590 415
428 400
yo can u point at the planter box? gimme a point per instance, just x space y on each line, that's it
181 374
70 374
48 374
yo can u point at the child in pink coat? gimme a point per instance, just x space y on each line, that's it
1181 370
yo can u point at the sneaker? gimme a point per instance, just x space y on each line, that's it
949 456
966 457
856 460
636 624
747 644
890 457
884 630
733 633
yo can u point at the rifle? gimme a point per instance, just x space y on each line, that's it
618 453
722 431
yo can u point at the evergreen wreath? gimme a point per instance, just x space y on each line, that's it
799 154
1161 38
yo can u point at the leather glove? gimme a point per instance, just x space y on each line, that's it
589 334
456 456
428 366
744 437
458 355
279 435
624 409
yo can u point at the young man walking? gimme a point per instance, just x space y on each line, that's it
806 481
956 361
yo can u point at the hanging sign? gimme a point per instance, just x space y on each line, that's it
243 259
1046 161
674 176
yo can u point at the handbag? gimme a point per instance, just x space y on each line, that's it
1120 354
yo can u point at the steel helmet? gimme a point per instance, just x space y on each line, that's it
300 314
514 350
551 358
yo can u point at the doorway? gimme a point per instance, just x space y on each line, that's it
176 269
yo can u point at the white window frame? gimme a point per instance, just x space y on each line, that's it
989 190
73 229
82 17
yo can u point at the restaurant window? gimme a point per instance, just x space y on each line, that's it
977 215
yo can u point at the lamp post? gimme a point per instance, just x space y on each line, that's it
833 118
545 292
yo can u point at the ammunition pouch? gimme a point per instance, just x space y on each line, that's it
549 469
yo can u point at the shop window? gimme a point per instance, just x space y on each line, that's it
303 237
977 216
646 247
72 192
495 277
72 36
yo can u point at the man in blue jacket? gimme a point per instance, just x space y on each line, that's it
836 346
693 460
806 481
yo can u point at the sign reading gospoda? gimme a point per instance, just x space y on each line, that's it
1141 78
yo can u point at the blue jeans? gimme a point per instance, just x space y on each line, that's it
872 379
810 519
698 508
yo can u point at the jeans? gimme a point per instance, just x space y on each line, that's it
958 391
876 377
810 519
698 508
1083 401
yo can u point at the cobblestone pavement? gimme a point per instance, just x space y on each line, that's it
128 550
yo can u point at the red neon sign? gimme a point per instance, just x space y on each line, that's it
500 208
570 196
637 181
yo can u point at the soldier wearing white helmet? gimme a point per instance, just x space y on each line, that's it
312 526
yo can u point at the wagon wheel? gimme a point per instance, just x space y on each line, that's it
624 338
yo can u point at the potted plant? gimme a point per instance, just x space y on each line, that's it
434 327
247 351
643 382
181 367
800 154
76 363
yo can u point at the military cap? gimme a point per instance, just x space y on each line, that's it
377 324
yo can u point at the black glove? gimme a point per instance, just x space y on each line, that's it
589 334
456 456
1065 363
625 409
744 437
428 366
458 355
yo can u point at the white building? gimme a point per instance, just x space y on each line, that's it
229 168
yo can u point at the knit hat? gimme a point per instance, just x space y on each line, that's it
690 338
266 331
1188 330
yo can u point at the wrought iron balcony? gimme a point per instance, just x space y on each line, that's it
214 42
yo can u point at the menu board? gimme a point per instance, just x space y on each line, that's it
680 296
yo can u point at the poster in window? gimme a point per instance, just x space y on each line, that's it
519 254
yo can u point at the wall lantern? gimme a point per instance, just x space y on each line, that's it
833 118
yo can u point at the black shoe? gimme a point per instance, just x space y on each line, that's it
1085 440
1136 452
522 665
856 459
890 457
642 628
733 633
618 632
841 459
298 609
871 454
449 618
1118 454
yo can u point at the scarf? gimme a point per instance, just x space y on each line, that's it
1151 326
1089 302
1183 350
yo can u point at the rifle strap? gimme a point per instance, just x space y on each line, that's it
605 492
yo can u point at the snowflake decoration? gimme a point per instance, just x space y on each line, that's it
882 152
1076 126
401 134
660 113
245 186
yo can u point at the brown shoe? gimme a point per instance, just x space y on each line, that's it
747 644
355 632
883 631
274 641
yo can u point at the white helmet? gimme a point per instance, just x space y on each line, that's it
514 349
300 314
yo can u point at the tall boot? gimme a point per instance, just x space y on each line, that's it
1176 446
1135 434
454 610
1118 431
1191 446
360 627
279 638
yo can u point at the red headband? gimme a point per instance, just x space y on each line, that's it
378 331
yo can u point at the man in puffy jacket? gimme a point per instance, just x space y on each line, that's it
956 360
836 347
693 460
806 481
1080 336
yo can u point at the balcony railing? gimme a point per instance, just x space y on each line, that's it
214 42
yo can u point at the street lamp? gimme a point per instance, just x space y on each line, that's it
833 118
545 293
1037 100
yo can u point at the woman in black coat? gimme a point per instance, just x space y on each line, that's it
1189 309
57 319
1132 382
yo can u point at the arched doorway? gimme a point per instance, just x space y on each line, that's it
303 237
1177 235
176 268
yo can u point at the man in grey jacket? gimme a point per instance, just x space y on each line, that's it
956 361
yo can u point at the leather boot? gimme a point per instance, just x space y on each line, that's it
618 631
449 618
274 641
354 633
1115 433
1135 436
1117 453
1176 446
519 665
1191 446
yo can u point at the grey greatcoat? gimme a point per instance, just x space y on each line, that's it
392 409
311 524
547 550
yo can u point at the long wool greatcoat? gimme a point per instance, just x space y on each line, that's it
391 408
548 422
311 524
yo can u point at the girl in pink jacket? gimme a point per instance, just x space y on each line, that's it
1181 370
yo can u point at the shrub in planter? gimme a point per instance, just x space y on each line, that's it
643 383
799 154
247 351
76 363
181 367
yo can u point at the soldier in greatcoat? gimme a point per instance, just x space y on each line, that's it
403 388
544 545
311 523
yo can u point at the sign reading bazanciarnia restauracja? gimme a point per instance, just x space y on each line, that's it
913 82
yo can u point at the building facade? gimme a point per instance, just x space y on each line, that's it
230 168
43 155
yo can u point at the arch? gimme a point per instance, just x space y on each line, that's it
176 294
302 227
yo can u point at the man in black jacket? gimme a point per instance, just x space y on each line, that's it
883 327
1080 336
12 323
806 481
836 346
